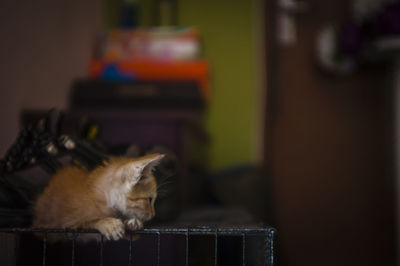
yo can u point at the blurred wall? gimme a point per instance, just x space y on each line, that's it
330 153
396 103
44 45
231 35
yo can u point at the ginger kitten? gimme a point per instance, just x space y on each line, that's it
110 198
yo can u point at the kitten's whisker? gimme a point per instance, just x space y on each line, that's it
163 191
167 176
162 195
165 184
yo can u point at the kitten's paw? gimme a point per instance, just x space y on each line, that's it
111 228
134 224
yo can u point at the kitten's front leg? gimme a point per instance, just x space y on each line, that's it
134 224
111 228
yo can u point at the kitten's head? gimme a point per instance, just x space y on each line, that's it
134 188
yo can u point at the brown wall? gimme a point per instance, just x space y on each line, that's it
44 45
329 148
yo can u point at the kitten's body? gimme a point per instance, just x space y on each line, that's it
119 194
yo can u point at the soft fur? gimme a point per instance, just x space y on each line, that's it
110 198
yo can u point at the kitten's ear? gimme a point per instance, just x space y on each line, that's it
149 161
139 167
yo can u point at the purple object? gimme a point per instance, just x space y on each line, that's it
387 23
351 39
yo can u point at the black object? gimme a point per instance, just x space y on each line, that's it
136 94
42 144
35 142
253 246
38 152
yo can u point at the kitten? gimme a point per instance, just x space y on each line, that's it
110 198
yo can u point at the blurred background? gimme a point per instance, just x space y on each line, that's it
283 112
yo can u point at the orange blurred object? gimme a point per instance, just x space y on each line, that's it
197 70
